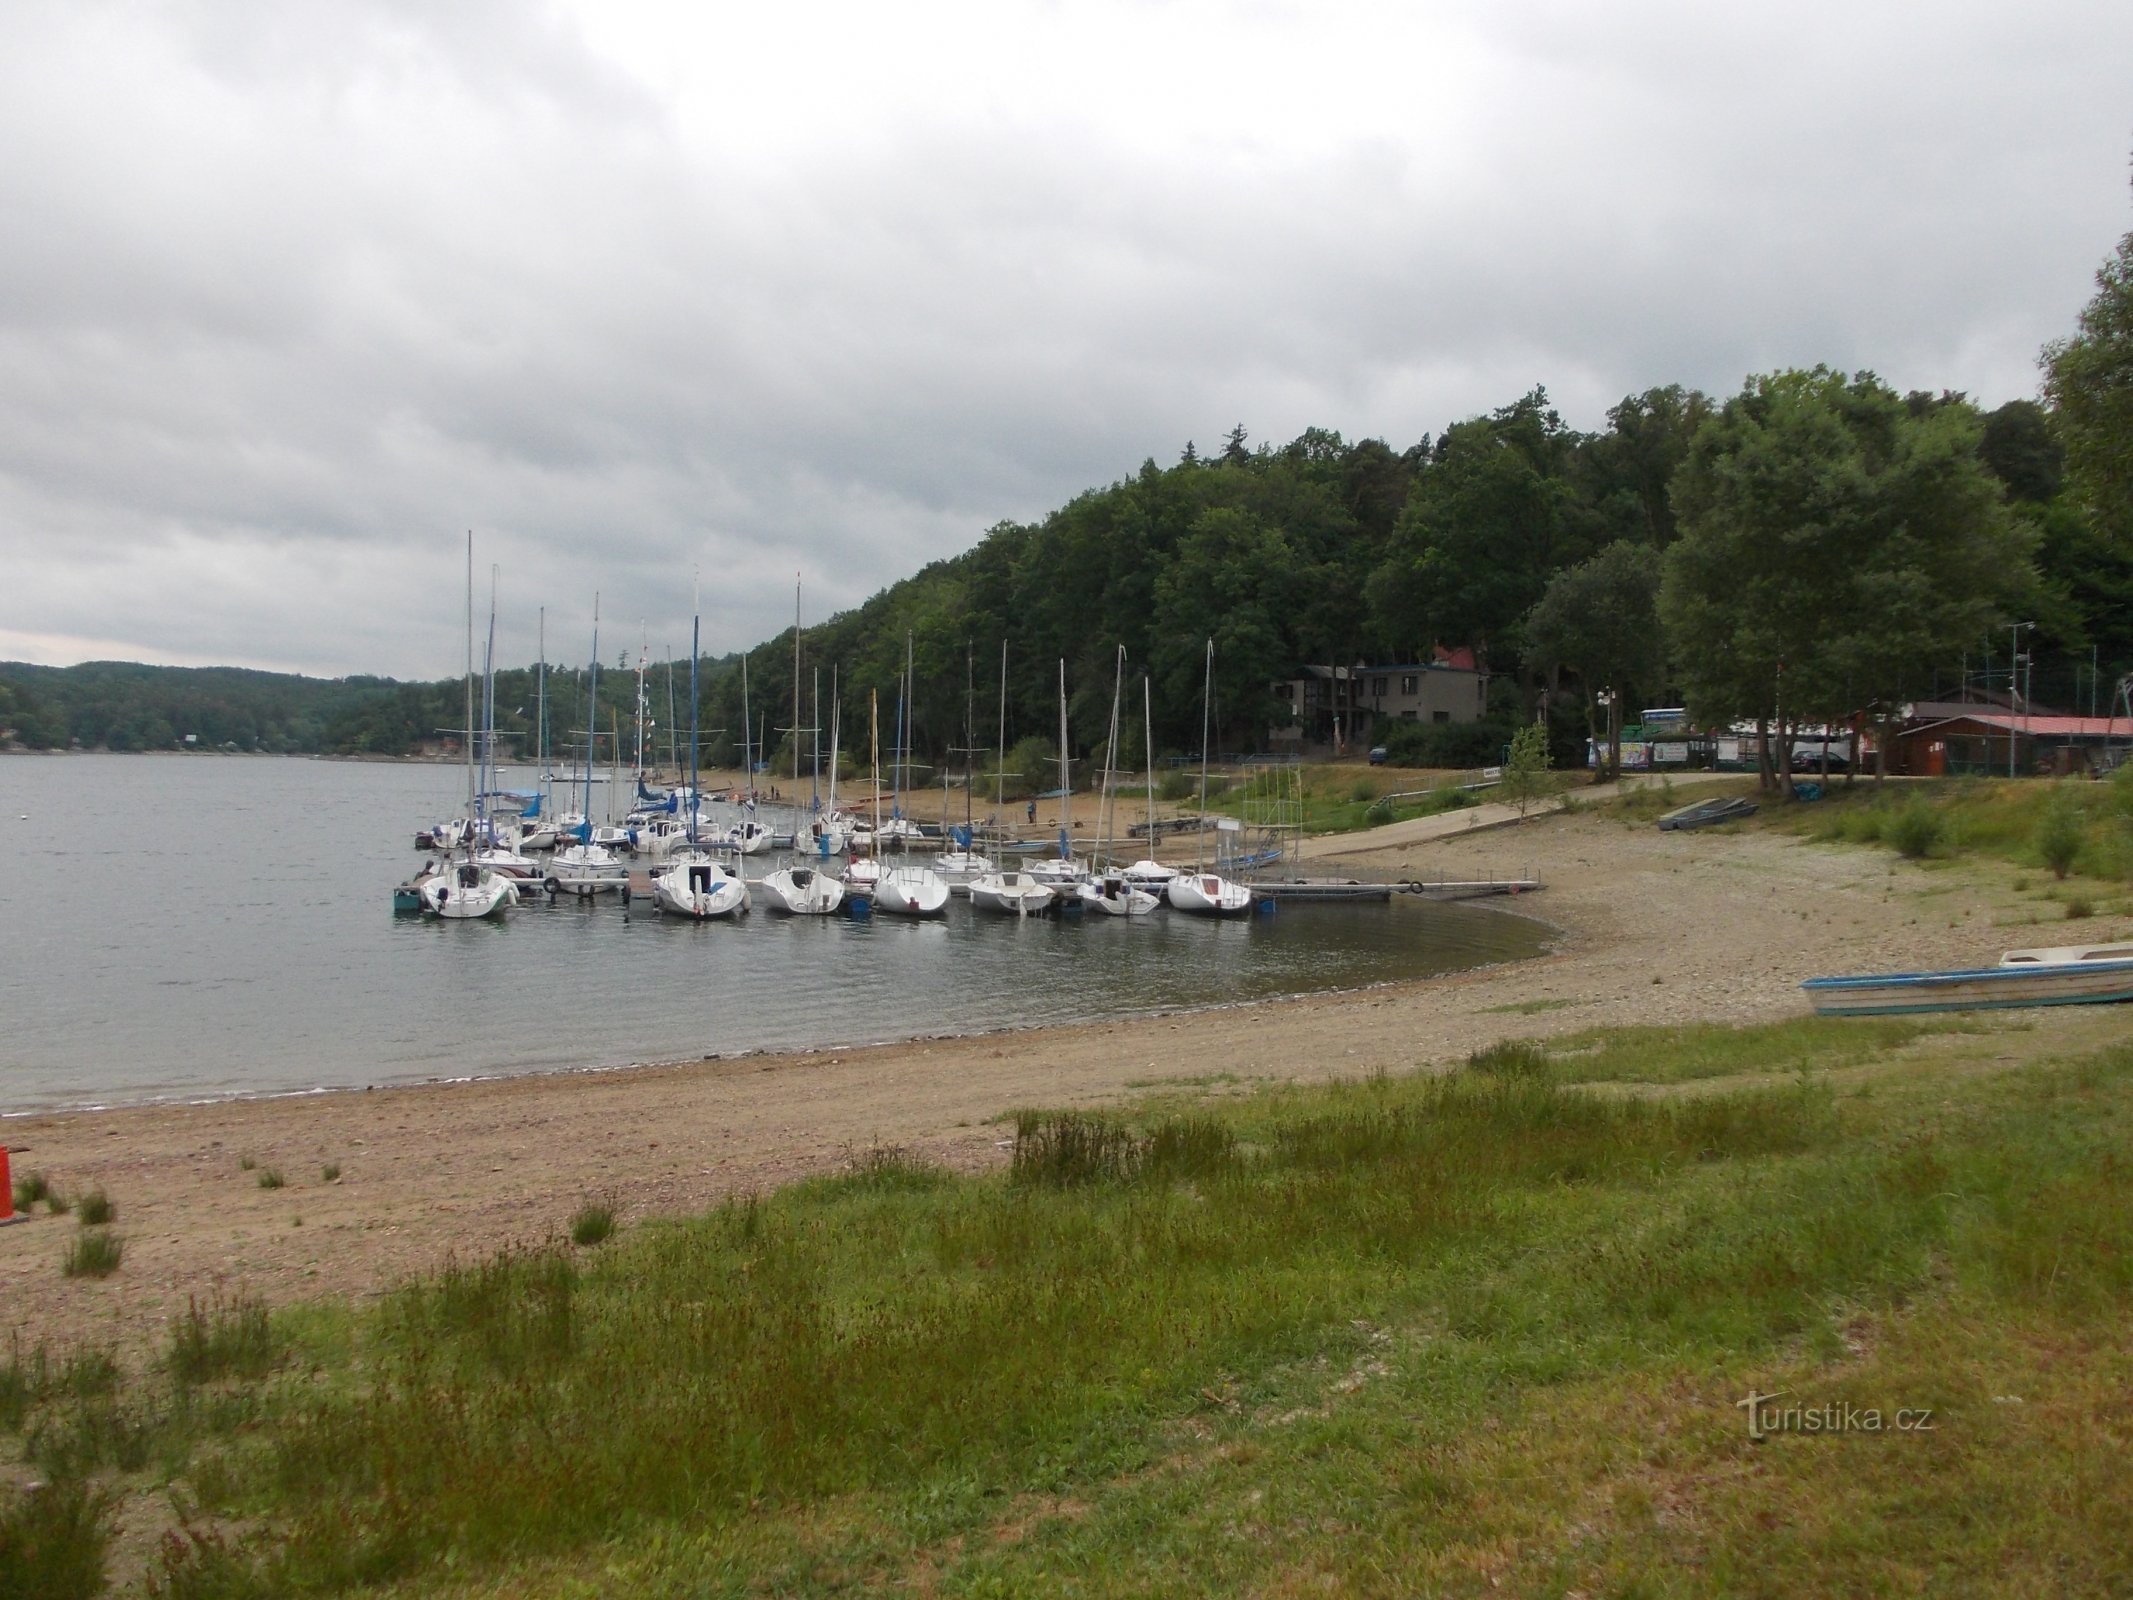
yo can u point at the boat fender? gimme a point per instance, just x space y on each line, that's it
553 885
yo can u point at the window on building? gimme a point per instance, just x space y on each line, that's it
1377 687
1410 684
1440 716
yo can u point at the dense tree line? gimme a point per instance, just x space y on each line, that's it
1815 546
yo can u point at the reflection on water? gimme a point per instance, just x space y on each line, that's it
179 927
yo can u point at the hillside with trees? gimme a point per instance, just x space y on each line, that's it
1815 545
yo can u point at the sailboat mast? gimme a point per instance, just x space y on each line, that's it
696 624
1207 697
1066 780
874 747
747 728
488 711
999 773
1148 751
814 776
470 671
796 685
592 717
1103 814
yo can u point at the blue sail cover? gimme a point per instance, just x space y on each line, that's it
1066 850
961 837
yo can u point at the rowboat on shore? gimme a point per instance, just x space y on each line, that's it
2072 975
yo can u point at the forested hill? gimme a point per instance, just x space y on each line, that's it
1319 550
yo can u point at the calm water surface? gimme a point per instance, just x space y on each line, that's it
190 927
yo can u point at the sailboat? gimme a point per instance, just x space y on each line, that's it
862 872
1200 892
1061 873
1108 892
693 883
907 890
583 867
1149 873
469 889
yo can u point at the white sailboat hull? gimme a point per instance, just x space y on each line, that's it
1117 899
1203 894
911 892
465 893
1014 894
802 892
700 890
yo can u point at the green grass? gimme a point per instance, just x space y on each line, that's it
271 1178
1471 1334
97 1209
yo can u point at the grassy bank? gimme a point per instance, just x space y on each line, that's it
1464 1332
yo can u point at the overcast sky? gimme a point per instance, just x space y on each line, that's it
293 295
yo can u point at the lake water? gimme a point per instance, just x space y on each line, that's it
190 927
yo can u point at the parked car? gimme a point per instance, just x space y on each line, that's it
1808 757
1377 755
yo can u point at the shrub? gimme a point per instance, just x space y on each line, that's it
94 1254
1510 1058
271 1178
97 1209
593 1224
2078 908
1917 829
1060 1149
53 1540
330 1172
2059 834
225 1338
30 1188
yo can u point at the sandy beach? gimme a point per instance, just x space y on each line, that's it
1651 927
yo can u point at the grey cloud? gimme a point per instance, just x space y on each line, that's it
296 296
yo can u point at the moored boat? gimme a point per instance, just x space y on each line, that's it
2088 975
697 886
911 891
1015 894
1207 894
802 891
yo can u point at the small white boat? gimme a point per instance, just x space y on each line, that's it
861 874
749 837
699 887
961 866
2066 975
900 831
611 838
1014 894
587 869
2067 955
802 891
467 890
1058 873
1115 897
911 891
658 837
1204 894
510 863
1150 875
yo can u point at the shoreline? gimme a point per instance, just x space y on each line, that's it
1649 928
